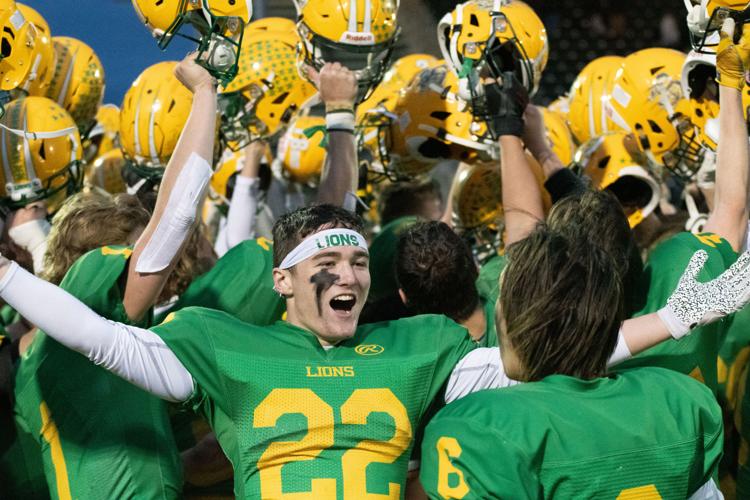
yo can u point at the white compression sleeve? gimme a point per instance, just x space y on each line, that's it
483 369
241 216
135 354
178 216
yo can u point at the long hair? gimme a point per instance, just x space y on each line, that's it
562 302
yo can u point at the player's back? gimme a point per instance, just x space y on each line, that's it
294 417
641 432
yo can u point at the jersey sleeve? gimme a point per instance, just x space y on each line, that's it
452 341
185 333
461 459
240 284
95 279
488 281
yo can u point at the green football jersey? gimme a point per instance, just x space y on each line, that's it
734 353
240 284
696 354
641 433
100 436
383 255
488 286
294 417
21 468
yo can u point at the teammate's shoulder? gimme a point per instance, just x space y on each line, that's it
657 379
420 325
688 241
104 256
204 314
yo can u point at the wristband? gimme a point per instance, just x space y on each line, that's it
334 106
340 121
677 329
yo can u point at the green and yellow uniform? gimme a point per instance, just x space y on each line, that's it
383 255
100 436
293 417
696 354
240 284
641 433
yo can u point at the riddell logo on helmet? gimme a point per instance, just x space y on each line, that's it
355 38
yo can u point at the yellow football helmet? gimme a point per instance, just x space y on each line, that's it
478 204
77 83
41 152
428 124
484 38
229 164
561 106
281 27
614 162
398 77
152 116
558 135
106 172
359 34
219 23
588 109
43 56
302 150
17 41
647 100
105 135
267 92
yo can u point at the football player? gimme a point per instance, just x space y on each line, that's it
85 420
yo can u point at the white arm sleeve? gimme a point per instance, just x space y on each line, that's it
241 216
483 368
708 491
135 354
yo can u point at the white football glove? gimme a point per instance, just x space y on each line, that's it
697 17
694 304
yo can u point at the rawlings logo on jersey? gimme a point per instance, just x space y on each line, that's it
369 349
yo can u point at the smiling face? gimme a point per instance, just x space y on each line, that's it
325 293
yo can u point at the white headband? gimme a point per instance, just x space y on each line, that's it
320 241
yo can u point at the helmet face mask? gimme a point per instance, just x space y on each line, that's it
220 29
704 40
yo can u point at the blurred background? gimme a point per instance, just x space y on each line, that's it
578 31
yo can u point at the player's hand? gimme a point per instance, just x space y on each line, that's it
732 60
32 211
194 76
695 304
336 84
506 102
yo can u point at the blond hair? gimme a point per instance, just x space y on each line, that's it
89 220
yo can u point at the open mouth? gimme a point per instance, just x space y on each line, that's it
343 303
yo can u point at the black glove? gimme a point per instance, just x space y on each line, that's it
506 101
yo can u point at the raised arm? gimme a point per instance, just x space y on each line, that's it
180 195
730 213
338 91
522 198
241 217
137 355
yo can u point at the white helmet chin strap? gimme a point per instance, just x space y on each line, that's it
696 219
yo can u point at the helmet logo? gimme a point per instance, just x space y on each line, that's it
355 38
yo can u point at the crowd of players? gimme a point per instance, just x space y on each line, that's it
243 281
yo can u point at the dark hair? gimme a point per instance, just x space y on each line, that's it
406 198
562 302
597 216
291 228
436 271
